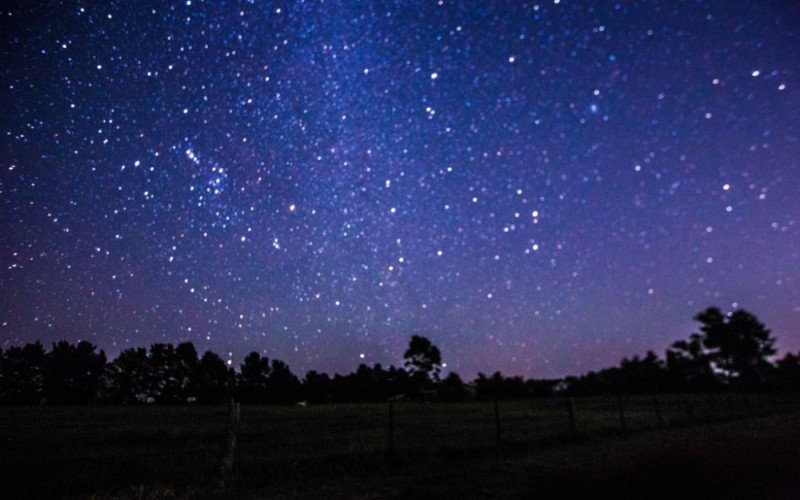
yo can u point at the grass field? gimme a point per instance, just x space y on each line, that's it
333 451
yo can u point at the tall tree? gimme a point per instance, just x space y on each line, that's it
185 370
499 387
283 386
739 345
253 381
689 366
22 374
262 382
165 374
452 388
787 372
130 376
212 379
317 387
639 375
398 380
73 372
423 358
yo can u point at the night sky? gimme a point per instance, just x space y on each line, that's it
540 188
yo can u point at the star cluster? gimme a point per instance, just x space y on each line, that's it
540 188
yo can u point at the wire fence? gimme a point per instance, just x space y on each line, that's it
290 434
79 448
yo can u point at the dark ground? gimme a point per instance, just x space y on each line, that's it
173 452
757 458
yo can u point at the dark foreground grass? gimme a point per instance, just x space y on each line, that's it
755 458
53 452
438 450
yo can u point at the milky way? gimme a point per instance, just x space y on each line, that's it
539 188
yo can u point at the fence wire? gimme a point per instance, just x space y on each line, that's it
106 444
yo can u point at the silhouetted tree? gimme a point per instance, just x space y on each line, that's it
732 350
739 345
185 370
589 384
253 380
360 386
165 372
499 387
637 375
452 388
787 373
213 380
689 366
283 385
424 360
542 388
486 387
317 387
130 376
398 381
262 382
366 385
383 386
371 384
22 374
73 373
343 389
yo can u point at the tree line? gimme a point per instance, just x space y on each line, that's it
730 352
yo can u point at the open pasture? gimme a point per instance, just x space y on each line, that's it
81 451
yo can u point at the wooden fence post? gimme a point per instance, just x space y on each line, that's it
234 419
657 408
497 422
390 444
621 409
573 424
